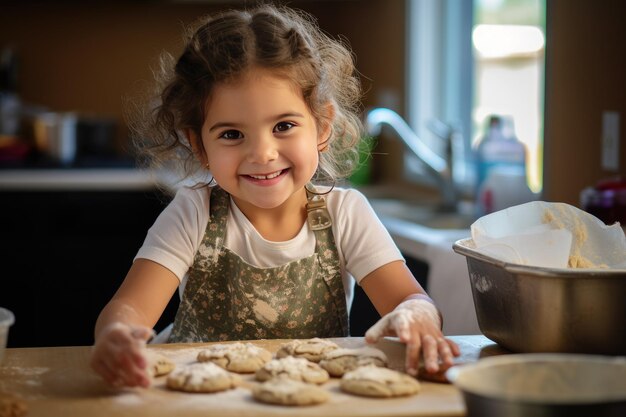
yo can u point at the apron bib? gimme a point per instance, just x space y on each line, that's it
226 298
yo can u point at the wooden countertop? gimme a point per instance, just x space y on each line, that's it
57 381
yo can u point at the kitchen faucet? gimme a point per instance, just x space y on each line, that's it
440 169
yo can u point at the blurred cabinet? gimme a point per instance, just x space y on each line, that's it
64 254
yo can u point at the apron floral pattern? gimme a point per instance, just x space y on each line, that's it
228 299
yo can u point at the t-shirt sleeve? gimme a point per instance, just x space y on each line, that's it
365 243
173 239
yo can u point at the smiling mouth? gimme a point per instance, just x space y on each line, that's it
266 176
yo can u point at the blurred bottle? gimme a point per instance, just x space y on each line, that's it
55 136
501 165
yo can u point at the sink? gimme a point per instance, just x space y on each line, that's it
415 220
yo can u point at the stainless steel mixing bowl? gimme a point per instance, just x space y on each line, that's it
534 309
546 385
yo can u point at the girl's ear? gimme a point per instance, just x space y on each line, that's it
326 127
196 145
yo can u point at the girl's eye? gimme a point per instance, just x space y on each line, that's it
283 126
231 134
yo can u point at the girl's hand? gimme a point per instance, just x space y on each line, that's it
416 322
118 355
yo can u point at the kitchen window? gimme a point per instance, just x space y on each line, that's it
470 59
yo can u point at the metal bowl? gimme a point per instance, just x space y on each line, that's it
533 309
543 385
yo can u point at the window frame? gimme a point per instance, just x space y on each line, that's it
439 80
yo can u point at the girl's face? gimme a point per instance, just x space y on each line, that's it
260 140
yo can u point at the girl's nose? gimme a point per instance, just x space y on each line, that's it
262 149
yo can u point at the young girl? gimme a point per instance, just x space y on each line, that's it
266 102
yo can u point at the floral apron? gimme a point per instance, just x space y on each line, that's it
228 299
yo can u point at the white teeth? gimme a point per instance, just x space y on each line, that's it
267 177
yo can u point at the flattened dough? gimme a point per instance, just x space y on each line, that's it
339 361
372 381
285 391
311 349
158 364
202 377
298 369
236 357
12 406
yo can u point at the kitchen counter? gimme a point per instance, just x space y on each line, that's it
58 382
415 239
91 179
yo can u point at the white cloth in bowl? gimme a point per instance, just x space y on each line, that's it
551 235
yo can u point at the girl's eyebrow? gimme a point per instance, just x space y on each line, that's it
285 115
219 125
222 124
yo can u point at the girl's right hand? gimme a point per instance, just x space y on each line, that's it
118 355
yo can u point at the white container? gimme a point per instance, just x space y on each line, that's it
504 187
499 147
501 164
6 320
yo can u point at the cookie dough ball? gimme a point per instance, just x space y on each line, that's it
236 357
312 349
202 377
372 381
12 406
286 391
158 364
340 361
298 369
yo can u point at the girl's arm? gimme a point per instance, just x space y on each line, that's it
407 312
141 298
126 323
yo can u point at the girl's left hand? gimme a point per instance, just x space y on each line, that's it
416 322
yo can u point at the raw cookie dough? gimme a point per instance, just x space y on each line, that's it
298 369
340 361
285 391
12 406
311 349
372 381
439 376
158 365
236 357
202 377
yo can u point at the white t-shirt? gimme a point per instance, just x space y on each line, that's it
362 241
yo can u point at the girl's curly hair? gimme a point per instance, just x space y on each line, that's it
221 47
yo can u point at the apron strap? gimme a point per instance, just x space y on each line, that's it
317 213
320 223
